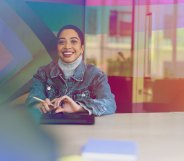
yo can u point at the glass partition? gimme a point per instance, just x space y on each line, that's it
109 29
109 45
160 80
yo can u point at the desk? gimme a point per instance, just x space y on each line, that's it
160 136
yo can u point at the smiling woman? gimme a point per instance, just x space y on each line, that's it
68 84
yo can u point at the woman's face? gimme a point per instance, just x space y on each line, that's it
69 46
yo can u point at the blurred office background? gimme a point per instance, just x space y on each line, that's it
139 42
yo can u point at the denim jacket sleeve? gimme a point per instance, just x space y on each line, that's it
102 102
37 88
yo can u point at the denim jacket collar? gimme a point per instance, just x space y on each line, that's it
78 73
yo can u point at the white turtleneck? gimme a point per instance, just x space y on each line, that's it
68 68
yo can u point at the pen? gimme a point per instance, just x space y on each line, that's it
39 99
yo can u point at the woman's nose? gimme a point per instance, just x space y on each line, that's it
67 45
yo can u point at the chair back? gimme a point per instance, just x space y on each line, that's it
121 87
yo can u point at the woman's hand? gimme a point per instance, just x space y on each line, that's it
66 104
45 106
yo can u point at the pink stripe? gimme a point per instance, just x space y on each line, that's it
129 2
108 2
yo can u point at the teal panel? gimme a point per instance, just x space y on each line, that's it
55 15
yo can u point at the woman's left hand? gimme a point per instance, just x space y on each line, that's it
68 105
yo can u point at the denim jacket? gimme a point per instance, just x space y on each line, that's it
88 86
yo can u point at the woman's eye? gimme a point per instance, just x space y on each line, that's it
74 41
61 42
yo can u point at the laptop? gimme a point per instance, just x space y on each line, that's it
68 118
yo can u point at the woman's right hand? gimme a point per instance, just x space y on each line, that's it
45 106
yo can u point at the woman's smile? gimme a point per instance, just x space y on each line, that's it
67 53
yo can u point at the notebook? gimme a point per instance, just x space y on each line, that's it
110 150
67 118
